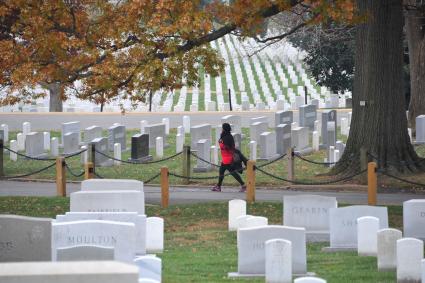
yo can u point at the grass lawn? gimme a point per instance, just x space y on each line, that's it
198 247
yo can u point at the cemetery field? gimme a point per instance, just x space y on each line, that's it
304 171
198 247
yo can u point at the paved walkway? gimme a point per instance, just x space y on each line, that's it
187 195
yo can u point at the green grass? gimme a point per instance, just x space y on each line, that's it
188 101
201 95
176 97
198 247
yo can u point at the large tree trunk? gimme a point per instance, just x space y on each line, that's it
381 125
55 91
415 27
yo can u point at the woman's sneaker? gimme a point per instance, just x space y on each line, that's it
243 189
216 189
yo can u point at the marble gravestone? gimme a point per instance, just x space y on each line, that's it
34 144
283 117
117 134
66 272
71 143
25 238
92 133
199 132
238 140
101 145
410 252
251 249
149 267
327 116
111 185
203 151
139 222
155 235
237 207
87 252
414 218
310 212
309 279
367 236
278 261
140 148
283 138
256 129
300 139
343 225
420 129
308 115
108 201
387 248
71 127
154 131
119 235
267 146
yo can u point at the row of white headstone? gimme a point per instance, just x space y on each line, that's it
361 228
106 221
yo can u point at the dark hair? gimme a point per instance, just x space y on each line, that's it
226 127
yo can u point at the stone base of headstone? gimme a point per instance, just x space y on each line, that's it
336 250
142 159
239 275
317 236
304 151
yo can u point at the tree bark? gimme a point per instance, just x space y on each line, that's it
55 91
415 30
381 125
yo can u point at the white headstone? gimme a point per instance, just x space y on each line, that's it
310 212
84 154
253 150
278 261
14 147
54 147
179 143
149 267
46 136
186 124
111 185
117 153
26 128
256 221
119 235
108 201
367 236
34 144
316 141
242 221
237 207
387 248
343 223
251 247
5 129
410 252
414 218
166 121
132 217
214 155
143 124
21 141
159 146
155 235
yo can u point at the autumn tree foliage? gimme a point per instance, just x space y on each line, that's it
105 50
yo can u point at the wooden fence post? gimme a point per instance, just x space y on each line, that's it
88 171
60 177
250 183
186 163
291 167
372 183
165 187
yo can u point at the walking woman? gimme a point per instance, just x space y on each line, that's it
227 148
